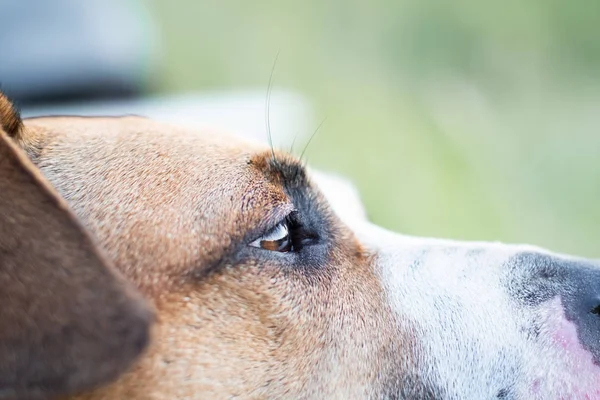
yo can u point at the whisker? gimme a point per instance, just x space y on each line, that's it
294 142
268 108
311 137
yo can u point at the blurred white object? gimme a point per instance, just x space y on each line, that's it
342 195
240 112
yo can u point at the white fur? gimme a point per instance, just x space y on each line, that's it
471 336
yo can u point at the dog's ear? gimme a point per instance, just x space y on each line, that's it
10 120
68 321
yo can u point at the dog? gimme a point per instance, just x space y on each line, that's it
181 264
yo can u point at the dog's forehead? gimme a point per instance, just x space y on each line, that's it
185 194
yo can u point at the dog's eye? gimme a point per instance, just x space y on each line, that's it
290 235
277 239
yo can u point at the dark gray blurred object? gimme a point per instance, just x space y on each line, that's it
70 49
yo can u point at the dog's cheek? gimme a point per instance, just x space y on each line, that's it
271 333
227 335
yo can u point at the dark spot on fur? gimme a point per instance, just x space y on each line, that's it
504 394
539 278
418 261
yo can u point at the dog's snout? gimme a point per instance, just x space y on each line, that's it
575 282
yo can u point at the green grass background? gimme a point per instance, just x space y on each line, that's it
465 119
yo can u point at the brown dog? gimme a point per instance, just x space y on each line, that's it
260 289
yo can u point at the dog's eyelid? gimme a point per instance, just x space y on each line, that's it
270 219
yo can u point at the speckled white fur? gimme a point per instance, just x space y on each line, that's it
471 336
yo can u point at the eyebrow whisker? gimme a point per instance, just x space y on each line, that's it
268 107
311 137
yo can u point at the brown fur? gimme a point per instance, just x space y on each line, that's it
68 322
10 120
175 211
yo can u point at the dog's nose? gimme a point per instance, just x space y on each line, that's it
575 281
581 300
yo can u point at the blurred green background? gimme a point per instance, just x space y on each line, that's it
462 119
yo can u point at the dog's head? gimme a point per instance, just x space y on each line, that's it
268 282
